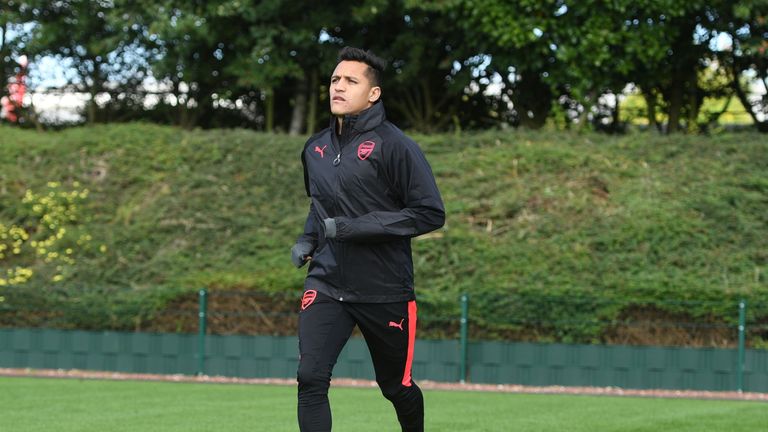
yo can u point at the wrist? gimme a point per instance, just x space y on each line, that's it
330 227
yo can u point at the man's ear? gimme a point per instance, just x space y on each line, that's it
374 94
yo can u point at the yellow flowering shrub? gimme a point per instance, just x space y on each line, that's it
47 237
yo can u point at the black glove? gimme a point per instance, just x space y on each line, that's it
330 228
301 252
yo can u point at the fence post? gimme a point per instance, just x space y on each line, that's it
202 315
742 331
464 336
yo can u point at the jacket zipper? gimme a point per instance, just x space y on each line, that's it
337 163
339 245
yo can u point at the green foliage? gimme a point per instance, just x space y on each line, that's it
556 52
553 235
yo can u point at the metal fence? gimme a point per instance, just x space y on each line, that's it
730 324
466 327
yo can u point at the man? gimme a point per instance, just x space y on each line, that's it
371 191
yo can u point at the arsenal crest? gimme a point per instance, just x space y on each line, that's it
365 149
308 299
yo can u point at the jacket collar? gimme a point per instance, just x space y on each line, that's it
364 121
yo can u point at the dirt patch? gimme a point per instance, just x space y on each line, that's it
230 312
651 326
255 313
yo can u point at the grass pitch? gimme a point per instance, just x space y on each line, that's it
64 405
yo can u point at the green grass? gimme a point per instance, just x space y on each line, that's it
635 110
63 405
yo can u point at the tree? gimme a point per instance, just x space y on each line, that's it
453 63
79 31
281 53
747 59
287 51
188 47
572 53
516 37
545 52
425 82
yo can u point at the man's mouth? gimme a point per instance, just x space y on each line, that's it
338 98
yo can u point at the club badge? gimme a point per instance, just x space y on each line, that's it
365 149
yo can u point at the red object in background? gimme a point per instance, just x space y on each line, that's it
16 91
7 108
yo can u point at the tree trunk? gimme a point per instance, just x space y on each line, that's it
185 111
693 106
408 102
650 102
91 109
312 114
269 106
3 54
183 114
675 107
181 105
298 118
714 118
422 110
683 75
96 85
617 114
761 126
33 117
193 113
532 100
587 104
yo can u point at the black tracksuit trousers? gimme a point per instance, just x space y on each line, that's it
325 325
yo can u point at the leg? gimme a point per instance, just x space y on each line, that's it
324 328
390 332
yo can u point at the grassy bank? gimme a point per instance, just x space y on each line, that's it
644 223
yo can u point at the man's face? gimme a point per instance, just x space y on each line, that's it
350 90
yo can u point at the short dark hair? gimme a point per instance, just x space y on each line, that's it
376 65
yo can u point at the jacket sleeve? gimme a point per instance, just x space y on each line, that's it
310 234
414 184
311 228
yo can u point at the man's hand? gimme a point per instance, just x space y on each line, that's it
301 252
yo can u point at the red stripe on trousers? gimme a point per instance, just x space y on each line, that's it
411 342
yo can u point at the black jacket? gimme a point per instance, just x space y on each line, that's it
378 187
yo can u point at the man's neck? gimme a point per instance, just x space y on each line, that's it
339 124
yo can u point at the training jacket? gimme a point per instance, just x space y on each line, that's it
378 187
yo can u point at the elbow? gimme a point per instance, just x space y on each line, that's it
435 221
440 219
426 219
